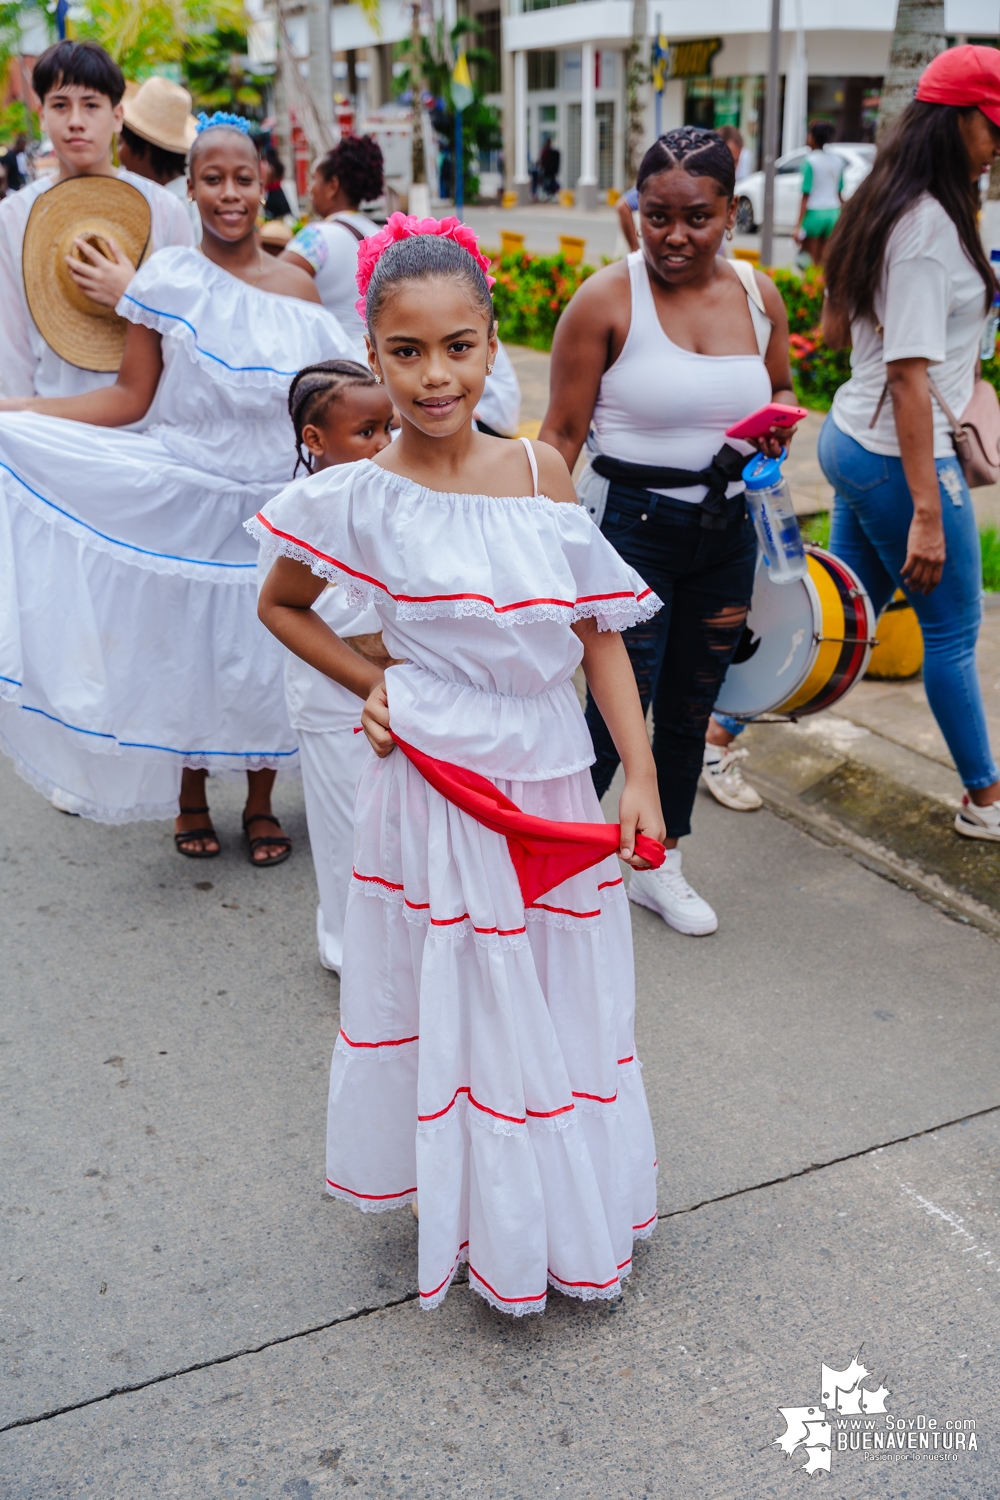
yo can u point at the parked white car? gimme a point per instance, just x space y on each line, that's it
858 161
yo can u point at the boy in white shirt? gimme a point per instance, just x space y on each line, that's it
80 88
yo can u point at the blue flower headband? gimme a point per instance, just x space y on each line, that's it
237 122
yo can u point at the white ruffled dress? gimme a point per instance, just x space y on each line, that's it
486 1058
129 640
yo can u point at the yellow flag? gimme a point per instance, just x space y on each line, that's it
462 93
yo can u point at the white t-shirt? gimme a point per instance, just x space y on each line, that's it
822 177
332 251
931 305
28 366
177 187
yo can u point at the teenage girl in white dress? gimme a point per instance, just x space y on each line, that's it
132 661
486 1056
340 414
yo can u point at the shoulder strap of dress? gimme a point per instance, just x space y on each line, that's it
533 463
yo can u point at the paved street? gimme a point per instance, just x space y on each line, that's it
823 1081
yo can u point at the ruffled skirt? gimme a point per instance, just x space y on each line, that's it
129 640
486 1061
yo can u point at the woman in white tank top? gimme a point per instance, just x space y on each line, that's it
656 356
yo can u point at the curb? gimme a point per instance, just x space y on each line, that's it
878 858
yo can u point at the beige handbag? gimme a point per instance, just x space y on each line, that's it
975 435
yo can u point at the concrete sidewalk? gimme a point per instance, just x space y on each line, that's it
185 1314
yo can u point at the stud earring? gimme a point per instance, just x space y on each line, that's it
489 369
378 380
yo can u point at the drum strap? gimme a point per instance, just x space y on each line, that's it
726 467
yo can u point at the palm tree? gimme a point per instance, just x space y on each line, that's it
916 41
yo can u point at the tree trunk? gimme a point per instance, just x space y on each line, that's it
916 41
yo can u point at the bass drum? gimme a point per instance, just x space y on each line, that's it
805 644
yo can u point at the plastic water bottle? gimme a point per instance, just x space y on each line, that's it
770 507
988 342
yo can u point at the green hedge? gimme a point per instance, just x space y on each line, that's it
532 290
530 294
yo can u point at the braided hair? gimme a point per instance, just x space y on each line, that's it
703 153
312 391
357 163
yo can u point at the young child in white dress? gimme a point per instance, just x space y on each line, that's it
340 414
486 1056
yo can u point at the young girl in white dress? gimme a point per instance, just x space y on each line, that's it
340 414
486 1056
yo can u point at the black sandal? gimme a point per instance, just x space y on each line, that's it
264 841
196 833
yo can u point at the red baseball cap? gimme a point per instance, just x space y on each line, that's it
964 75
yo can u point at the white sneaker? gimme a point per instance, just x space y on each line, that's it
666 892
978 822
722 775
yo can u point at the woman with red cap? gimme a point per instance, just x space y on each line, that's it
909 287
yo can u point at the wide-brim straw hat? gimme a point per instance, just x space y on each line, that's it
160 113
95 209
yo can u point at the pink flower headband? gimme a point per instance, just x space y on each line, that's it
401 227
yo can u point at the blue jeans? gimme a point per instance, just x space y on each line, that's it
872 512
680 656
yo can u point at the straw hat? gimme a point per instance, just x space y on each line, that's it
95 209
160 112
275 235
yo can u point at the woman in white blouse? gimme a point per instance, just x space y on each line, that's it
347 176
909 287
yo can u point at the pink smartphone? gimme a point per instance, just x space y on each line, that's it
759 423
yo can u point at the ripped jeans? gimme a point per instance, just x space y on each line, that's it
680 656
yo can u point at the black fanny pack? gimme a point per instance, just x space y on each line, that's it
726 467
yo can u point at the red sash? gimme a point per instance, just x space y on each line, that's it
545 853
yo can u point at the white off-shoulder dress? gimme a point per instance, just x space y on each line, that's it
486 1058
129 640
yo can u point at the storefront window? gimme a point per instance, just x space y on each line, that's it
850 103
713 102
541 70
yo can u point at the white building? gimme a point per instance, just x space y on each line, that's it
562 70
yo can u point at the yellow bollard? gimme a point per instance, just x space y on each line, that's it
572 247
900 649
509 200
741 253
567 197
511 243
613 196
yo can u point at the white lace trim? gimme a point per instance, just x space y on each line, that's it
458 931
646 1231
183 334
565 922
374 1206
244 574
153 812
513 1309
428 1304
232 764
610 614
588 1293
